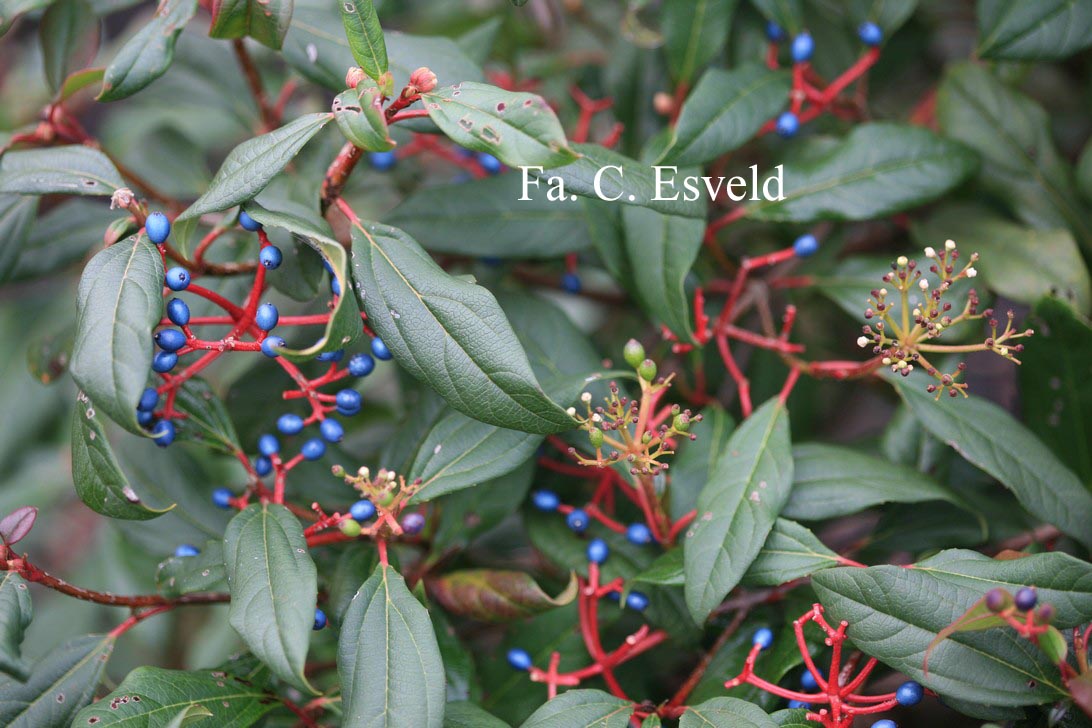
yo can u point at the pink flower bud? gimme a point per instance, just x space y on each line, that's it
423 79
354 76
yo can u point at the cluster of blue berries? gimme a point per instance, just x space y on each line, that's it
578 519
385 161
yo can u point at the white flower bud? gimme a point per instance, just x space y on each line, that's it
971 272
901 365
886 360
883 291
596 418
901 260
585 397
923 284
930 253
571 412
862 341
949 245
1004 351
363 472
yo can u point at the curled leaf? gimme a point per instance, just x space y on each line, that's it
16 525
496 596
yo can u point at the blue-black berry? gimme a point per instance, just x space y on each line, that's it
177 278
362 510
144 418
270 257
361 365
639 534
320 619
249 223
413 523
519 659
787 125
545 500
808 682
222 497
382 161
290 424
164 361
271 346
577 520
802 47
380 350
885 723
870 34
794 704
348 399
331 430
163 432
1026 598
570 282
636 601
263 466
774 32
158 228
489 163
598 551
763 637
170 339
268 445
178 312
805 246
909 693
267 316
313 449
149 398
186 550
334 356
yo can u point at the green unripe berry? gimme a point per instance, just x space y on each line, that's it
646 438
350 528
595 436
681 423
385 499
646 370
634 353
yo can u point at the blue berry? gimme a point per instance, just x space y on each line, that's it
313 449
186 550
805 246
221 497
249 223
361 365
163 432
263 466
787 125
320 619
380 350
598 551
267 316
335 286
885 723
763 637
268 445
164 361
802 48
362 510
577 520
332 430
348 411
489 163
144 418
909 693
639 534
870 34
570 282
382 161
348 399
270 257
178 312
271 346
519 659
158 228
170 339
290 424
545 500
636 601
334 356
326 264
794 704
774 32
614 595
1025 599
413 523
178 278
807 681
149 398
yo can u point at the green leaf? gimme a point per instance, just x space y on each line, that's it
1011 132
388 661
344 326
99 481
695 32
790 552
543 330
118 304
492 595
15 615
725 111
207 419
205 572
254 163
662 249
11 10
588 708
725 713
152 697
487 218
463 714
273 588
878 170
64 29
520 129
60 684
697 459
471 512
789 14
71 170
448 332
360 117
991 439
888 14
1056 384
831 481
1043 30
737 508
1021 263
148 54
79 80
17 214
365 36
266 21
666 570
895 612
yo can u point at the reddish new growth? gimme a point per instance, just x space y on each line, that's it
839 694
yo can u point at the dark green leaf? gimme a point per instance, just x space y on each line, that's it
725 713
273 587
544 329
461 714
695 32
11 10
520 129
72 170
388 661
365 36
587 708
148 54
877 170
64 30
666 570
491 595
360 117
992 440
119 302
486 218
448 333
738 507
1042 30
725 111
888 14
790 552
697 459
207 419
266 21
789 14
60 684
896 612
15 615
17 213
79 80
205 572
471 512
251 165
49 354
100 484
62 237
